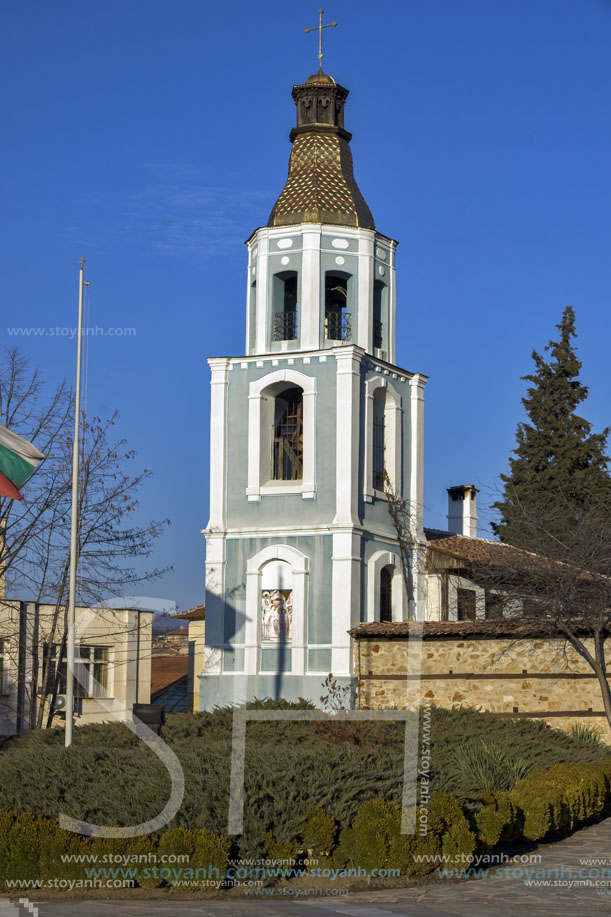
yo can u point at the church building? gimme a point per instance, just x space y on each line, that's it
306 427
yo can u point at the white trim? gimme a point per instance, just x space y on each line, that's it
299 565
364 304
219 382
393 429
309 305
345 597
347 449
416 419
258 480
216 563
375 563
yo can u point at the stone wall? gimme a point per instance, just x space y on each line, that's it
514 677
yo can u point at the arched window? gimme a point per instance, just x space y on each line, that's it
386 575
380 316
287 447
379 438
338 318
383 437
282 435
284 327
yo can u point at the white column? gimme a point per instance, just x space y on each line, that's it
219 382
215 602
347 438
416 494
392 306
252 614
416 470
365 292
310 291
263 295
345 597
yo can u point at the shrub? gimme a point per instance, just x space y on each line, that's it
207 854
374 841
586 735
560 798
496 821
457 839
279 849
32 847
489 766
319 832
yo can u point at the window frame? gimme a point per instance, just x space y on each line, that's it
393 438
90 663
261 398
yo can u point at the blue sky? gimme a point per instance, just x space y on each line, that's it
152 138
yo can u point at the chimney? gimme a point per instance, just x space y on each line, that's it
462 510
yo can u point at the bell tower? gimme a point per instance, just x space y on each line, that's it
305 427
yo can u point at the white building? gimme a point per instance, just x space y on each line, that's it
300 543
113 662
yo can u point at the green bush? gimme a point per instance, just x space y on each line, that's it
496 821
32 847
109 777
489 765
586 735
374 841
319 832
560 798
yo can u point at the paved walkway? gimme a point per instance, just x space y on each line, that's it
491 896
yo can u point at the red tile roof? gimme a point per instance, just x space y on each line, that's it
165 670
194 614
456 629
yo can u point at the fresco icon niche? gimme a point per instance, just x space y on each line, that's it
276 603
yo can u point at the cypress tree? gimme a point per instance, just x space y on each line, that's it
559 467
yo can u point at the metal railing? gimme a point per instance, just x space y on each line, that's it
285 326
338 326
378 332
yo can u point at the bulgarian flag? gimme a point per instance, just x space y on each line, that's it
18 459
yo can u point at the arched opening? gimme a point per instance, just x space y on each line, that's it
287 446
379 438
380 317
284 326
276 603
338 318
386 575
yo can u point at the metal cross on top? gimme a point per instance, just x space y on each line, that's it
318 28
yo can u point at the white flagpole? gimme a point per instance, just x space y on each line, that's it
74 521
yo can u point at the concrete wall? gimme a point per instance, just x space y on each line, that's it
526 677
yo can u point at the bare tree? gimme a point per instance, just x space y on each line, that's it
35 547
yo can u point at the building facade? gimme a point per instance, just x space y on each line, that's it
112 663
305 429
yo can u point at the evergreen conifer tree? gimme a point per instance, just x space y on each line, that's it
559 467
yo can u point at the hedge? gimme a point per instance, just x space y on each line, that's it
559 799
374 840
33 847
544 803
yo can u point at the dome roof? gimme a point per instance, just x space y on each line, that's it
321 187
320 77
